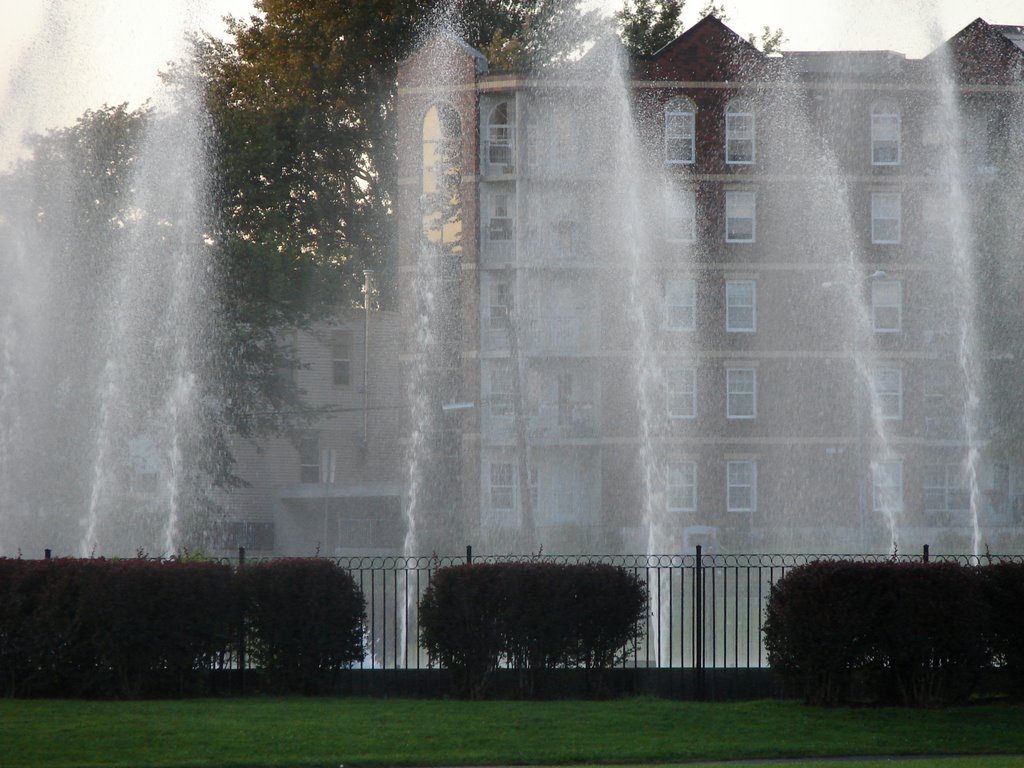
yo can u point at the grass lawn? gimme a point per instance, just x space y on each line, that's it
360 732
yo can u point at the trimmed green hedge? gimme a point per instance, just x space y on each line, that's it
131 628
917 634
304 620
123 628
530 617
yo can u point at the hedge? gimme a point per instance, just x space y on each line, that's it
530 617
121 628
910 633
1003 588
304 620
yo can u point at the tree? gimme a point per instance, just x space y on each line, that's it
646 26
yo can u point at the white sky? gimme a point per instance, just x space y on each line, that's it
61 57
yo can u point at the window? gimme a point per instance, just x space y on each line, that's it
739 217
741 486
680 124
740 305
999 496
887 486
500 390
680 214
680 304
500 306
945 489
886 306
309 459
682 393
885 217
885 136
341 357
502 494
500 145
741 393
681 486
502 221
889 391
739 134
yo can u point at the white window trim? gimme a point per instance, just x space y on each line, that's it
879 394
877 487
729 485
730 326
953 482
688 286
501 135
499 372
491 487
671 393
681 108
492 210
876 198
690 468
733 193
877 305
674 196
728 394
493 291
738 111
887 113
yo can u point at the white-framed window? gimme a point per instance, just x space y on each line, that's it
680 131
885 135
502 485
887 306
501 137
741 486
889 391
680 304
500 390
740 140
499 305
681 395
681 486
680 214
945 489
740 306
309 458
740 216
341 358
741 393
887 485
501 217
886 215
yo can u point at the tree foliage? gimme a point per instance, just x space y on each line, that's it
646 26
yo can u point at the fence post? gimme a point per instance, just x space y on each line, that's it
469 554
46 554
698 623
924 553
241 631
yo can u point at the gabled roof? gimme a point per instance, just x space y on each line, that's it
984 53
707 51
426 61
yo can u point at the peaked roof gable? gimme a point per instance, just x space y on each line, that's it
982 53
707 51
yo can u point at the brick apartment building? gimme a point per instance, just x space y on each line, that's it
740 326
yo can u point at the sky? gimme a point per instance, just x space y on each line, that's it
61 57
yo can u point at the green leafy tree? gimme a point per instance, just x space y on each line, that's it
646 26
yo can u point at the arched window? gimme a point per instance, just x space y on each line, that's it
442 173
885 134
740 133
500 138
680 131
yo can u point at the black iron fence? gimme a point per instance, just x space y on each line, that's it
706 611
